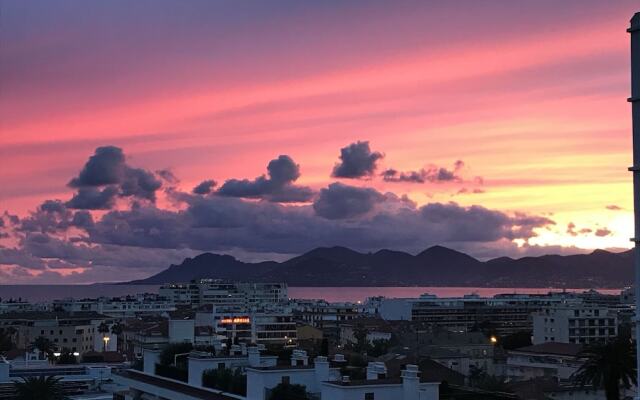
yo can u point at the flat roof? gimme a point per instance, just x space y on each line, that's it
561 349
175 386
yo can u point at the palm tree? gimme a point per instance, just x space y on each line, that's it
40 388
608 366
116 329
104 329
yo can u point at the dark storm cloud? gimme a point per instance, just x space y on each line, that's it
392 175
278 186
53 216
431 174
204 187
339 201
356 161
105 167
143 237
90 198
168 176
140 183
106 176
476 223
82 219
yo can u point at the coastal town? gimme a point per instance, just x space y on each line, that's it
213 339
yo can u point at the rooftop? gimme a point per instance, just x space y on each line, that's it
561 349
175 386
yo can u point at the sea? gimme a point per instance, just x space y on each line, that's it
44 293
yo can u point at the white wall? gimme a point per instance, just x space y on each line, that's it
181 330
4 371
382 392
427 391
395 309
149 360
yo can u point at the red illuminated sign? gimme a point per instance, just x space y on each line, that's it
235 320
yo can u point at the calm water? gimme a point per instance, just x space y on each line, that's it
38 293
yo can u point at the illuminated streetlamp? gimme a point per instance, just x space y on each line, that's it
105 339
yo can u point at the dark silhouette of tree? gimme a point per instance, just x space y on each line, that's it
45 346
167 356
104 329
360 336
66 357
379 347
516 340
286 391
40 388
6 339
608 366
225 379
324 347
117 329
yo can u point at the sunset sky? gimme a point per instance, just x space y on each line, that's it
491 127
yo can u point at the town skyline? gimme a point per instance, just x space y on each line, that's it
332 130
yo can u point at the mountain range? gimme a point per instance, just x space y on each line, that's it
436 266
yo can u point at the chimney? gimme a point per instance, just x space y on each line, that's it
299 357
150 358
411 382
321 365
254 356
634 30
376 370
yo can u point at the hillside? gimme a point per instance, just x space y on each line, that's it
436 266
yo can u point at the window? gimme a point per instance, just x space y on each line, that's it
286 380
369 396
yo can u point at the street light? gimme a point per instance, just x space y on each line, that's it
105 339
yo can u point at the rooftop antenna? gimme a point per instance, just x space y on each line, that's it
634 30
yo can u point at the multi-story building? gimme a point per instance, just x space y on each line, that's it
506 314
259 327
120 307
221 293
326 316
580 324
76 331
16 306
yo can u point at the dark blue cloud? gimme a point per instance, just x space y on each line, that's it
356 161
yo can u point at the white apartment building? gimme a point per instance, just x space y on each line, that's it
578 324
324 315
548 360
228 294
118 307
